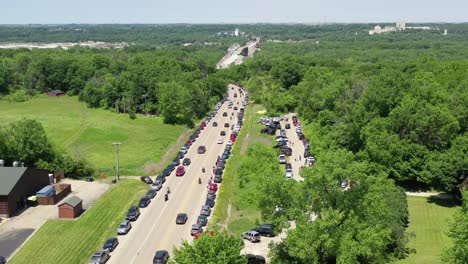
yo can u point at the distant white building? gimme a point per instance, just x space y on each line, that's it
236 32
401 25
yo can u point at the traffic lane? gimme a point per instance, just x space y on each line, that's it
183 232
12 240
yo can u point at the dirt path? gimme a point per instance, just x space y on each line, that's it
444 196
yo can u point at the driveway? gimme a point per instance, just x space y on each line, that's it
16 230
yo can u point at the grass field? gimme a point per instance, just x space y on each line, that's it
240 202
62 241
89 133
428 221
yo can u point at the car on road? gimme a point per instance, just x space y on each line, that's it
213 187
218 179
288 166
101 256
146 179
161 257
158 182
202 220
265 230
222 133
224 113
196 228
180 155
186 162
2 260
151 193
235 107
282 159
287 126
201 149
226 124
180 171
220 141
124 227
286 151
133 213
252 236
210 202
255 259
167 171
181 218
229 142
144 202
206 210
289 174
111 244
215 124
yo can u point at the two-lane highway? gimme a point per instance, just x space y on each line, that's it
156 228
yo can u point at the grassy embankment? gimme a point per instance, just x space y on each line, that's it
61 241
429 222
237 207
89 133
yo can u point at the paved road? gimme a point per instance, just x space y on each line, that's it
156 229
296 145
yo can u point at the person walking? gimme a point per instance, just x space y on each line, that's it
299 157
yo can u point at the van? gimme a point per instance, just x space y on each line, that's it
253 236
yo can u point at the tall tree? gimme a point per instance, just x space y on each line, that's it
458 232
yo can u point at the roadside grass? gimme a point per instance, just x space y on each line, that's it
242 203
63 241
88 133
429 223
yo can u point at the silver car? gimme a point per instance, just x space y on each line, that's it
101 256
289 174
206 210
124 227
253 236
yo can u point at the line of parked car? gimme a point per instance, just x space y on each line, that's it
218 169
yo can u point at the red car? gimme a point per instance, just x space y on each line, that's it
189 142
213 187
180 171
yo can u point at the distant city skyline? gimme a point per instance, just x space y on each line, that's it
230 12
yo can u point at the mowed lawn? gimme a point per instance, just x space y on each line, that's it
237 208
429 222
89 133
64 241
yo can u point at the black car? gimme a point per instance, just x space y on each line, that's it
186 162
181 218
202 220
288 166
146 179
286 151
151 193
218 172
226 124
133 213
225 114
176 162
167 171
180 155
218 179
235 107
161 257
2 260
265 230
228 147
215 124
170 167
210 202
225 156
211 195
201 149
110 244
222 133
287 126
255 259
144 202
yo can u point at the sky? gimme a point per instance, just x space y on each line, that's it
235 11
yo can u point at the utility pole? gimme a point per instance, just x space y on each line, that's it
117 144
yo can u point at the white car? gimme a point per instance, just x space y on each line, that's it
220 141
289 174
229 142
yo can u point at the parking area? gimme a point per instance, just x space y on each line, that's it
15 230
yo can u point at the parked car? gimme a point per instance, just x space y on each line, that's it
265 230
181 218
225 114
124 227
133 213
210 202
288 166
282 159
2 260
161 257
184 150
287 126
218 179
226 124
196 228
213 187
180 171
202 220
201 149
235 107
255 259
176 162
206 210
252 236
211 195
215 124
101 256
151 193
166 172
144 202
111 244
289 174
146 179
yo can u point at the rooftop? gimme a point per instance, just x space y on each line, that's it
9 176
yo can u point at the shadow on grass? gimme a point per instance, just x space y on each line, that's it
449 203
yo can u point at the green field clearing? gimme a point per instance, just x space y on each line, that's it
62 241
89 133
429 222
244 211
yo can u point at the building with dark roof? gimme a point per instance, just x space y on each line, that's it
71 207
55 93
17 184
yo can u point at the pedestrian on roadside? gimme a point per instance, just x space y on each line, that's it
299 157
